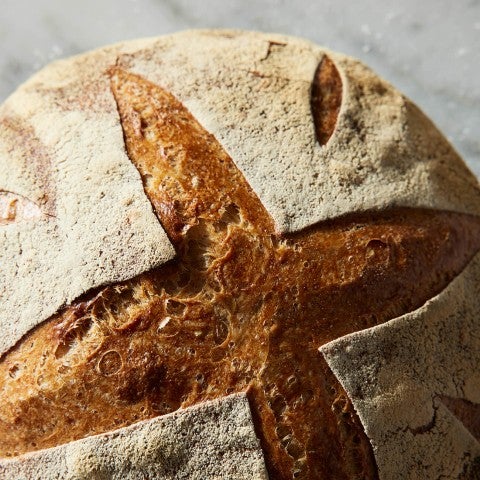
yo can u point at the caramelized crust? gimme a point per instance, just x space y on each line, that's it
240 309
326 99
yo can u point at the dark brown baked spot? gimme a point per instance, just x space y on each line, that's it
240 309
326 99
471 470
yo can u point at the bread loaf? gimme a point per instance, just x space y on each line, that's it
231 253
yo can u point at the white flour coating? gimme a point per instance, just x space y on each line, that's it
394 373
252 91
61 147
220 445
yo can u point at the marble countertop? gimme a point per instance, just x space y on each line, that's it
429 49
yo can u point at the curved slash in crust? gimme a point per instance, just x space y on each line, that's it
326 99
240 308
15 208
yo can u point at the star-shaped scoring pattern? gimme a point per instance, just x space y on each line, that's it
241 308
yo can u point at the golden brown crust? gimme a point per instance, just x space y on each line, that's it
326 99
241 308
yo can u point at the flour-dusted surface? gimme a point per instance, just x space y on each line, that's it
61 147
214 440
63 155
252 91
428 49
397 372
62 150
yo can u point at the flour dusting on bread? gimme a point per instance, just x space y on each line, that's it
224 203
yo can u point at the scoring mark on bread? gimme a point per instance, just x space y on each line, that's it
326 99
209 323
273 45
15 208
34 161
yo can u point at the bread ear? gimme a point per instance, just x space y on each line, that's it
186 172
214 440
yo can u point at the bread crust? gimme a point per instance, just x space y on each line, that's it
221 444
261 278
242 308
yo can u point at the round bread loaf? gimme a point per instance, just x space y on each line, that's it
247 230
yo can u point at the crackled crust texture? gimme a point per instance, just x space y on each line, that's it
241 309
384 151
62 166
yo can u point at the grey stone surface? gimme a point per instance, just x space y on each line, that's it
429 49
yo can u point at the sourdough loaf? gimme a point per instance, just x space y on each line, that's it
230 253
